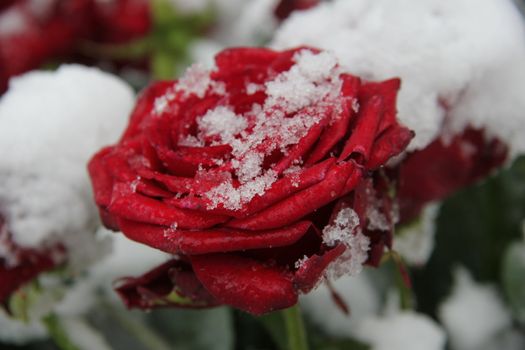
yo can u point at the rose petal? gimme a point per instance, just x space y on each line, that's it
210 241
136 207
245 283
312 270
300 204
389 144
388 91
170 284
364 133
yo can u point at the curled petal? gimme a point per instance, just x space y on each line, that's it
245 283
136 207
389 144
302 203
362 139
313 269
211 241
170 284
388 91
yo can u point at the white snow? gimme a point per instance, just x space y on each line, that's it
238 23
415 242
358 293
17 332
309 81
473 314
51 123
12 22
466 54
405 330
222 121
84 336
345 229
383 327
127 259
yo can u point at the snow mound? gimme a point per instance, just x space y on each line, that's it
461 62
473 314
51 123
402 331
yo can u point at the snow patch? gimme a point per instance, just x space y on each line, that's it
401 331
466 55
473 314
61 118
345 229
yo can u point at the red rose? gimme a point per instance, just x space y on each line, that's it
32 34
441 168
285 7
261 177
20 266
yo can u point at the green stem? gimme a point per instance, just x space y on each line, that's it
295 329
138 329
57 332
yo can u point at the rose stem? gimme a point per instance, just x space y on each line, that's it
295 328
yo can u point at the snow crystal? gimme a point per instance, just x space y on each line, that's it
222 121
162 102
466 63
195 81
307 82
259 132
345 229
415 242
473 313
252 88
61 118
401 331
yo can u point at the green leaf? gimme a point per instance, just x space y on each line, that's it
163 65
187 329
513 278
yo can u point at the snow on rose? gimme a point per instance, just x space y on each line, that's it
237 170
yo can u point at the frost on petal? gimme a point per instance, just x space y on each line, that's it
345 229
296 100
304 84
